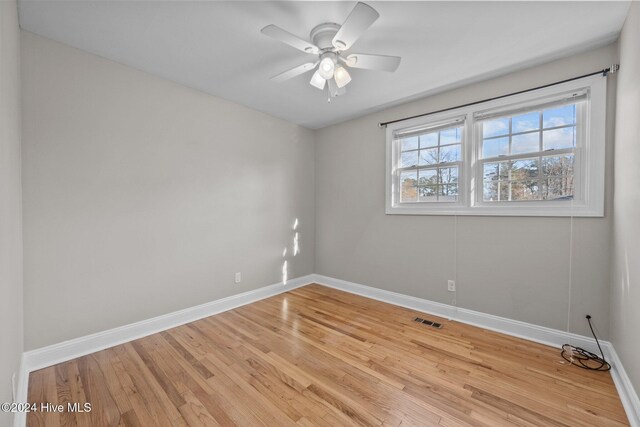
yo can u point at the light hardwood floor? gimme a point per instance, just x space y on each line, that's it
318 356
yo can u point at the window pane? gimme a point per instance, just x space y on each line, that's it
427 176
496 191
429 140
410 158
450 153
491 171
490 192
558 188
428 156
448 175
495 127
524 169
496 171
526 122
525 190
525 143
448 193
560 116
450 136
559 138
557 165
408 189
495 147
428 193
503 191
505 167
410 143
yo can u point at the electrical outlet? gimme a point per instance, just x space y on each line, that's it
238 278
451 285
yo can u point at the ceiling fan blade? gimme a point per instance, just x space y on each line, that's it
296 71
360 18
373 62
334 90
290 39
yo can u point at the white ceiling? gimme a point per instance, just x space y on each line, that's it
217 47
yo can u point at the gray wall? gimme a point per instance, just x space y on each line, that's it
506 266
142 197
10 204
625 292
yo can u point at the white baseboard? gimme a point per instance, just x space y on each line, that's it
528 331
627 393
20 418
67 350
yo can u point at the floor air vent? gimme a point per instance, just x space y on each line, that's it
428 323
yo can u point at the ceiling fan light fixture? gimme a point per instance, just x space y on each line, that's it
331 42
342 76
317 80
327 67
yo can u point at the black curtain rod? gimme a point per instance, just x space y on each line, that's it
612 69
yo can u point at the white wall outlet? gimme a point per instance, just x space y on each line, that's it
238 278
451 285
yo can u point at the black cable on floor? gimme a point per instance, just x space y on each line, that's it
583 358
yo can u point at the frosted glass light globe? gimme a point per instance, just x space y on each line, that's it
342 76
327 67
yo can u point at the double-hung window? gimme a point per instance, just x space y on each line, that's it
539 153
429 162
530 155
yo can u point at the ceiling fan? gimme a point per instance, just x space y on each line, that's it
329 42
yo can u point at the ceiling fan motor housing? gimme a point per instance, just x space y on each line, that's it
322 35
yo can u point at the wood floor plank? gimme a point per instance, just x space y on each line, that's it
139 409
316 356
195 413
36 395
158 404
192 385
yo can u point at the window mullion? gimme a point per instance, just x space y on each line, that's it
540 144
438 168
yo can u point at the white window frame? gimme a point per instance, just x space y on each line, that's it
436 121
589 157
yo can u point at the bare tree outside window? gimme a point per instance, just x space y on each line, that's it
429 165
